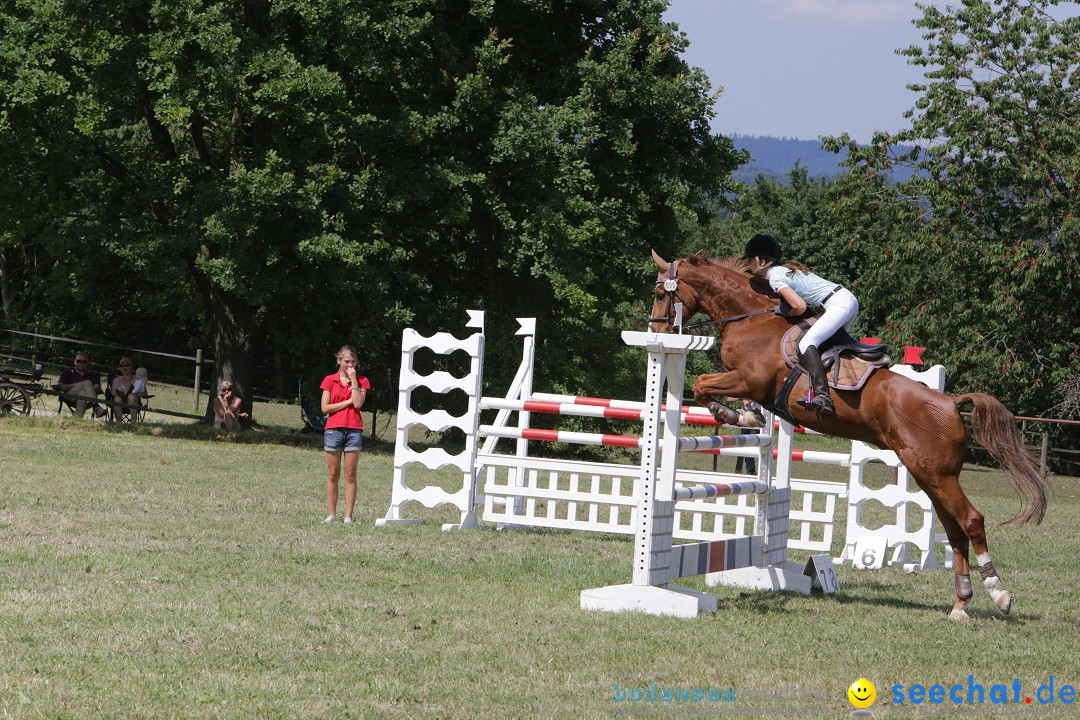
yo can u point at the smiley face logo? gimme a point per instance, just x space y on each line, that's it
862 693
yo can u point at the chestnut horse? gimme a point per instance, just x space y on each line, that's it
922 426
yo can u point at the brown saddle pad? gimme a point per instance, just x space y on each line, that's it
853 371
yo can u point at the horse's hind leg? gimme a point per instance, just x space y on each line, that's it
928 435
964 524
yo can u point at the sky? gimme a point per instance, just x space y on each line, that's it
803 68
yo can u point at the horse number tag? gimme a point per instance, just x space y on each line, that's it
870 552
819 567
671 284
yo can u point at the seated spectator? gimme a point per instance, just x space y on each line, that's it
84 384
227 407
128 389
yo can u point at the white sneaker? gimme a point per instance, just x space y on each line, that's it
348 520
329 519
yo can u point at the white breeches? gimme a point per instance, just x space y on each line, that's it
840 312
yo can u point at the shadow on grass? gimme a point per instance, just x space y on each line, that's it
257 435
976 613
766 602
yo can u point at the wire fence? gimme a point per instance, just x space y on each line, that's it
1055 440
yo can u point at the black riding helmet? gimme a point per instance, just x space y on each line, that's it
763 246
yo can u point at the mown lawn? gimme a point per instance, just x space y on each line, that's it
172 575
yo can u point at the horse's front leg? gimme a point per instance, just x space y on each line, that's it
711 390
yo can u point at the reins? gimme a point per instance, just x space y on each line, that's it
733 318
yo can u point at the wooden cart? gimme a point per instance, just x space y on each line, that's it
18 388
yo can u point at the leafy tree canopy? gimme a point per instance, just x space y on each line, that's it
979 252
298 173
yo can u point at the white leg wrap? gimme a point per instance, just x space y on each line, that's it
993 584
1002 597
959 614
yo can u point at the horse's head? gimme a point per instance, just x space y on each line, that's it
668 292
717 287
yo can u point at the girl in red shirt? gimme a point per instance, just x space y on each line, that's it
343 394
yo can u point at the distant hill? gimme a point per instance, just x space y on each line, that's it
775 157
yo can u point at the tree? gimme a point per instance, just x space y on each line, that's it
308 170
990 270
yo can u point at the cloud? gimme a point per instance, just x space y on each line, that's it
850 13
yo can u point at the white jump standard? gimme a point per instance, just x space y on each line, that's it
656 562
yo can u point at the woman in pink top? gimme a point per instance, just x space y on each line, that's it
343 394
125 388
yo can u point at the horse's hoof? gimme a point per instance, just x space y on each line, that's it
751 419
958 615
722 413
1004 603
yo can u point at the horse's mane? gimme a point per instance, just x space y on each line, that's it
734 262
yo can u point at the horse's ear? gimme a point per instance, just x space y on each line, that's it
660 262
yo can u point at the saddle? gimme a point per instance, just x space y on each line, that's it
848 363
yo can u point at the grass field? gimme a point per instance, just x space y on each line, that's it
168 571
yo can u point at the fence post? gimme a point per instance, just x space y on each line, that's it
34 353
1043 452
198 377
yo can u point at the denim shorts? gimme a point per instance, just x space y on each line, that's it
343 440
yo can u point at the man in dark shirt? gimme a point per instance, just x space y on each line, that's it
84 383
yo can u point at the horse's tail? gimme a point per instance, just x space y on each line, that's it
994 427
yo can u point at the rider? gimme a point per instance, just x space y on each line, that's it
798 287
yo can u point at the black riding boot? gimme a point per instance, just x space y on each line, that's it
811 360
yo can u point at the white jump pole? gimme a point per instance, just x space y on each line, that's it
649 590
697 415
613 412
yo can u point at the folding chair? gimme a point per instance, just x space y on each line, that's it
310 400
66 401
126 414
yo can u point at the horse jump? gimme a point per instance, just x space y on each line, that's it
514 502
596 496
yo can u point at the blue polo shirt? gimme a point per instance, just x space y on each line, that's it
810 287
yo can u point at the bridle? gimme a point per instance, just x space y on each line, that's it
671 287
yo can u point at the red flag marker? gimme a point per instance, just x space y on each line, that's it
913 355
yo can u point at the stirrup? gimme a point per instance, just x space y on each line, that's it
823 404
